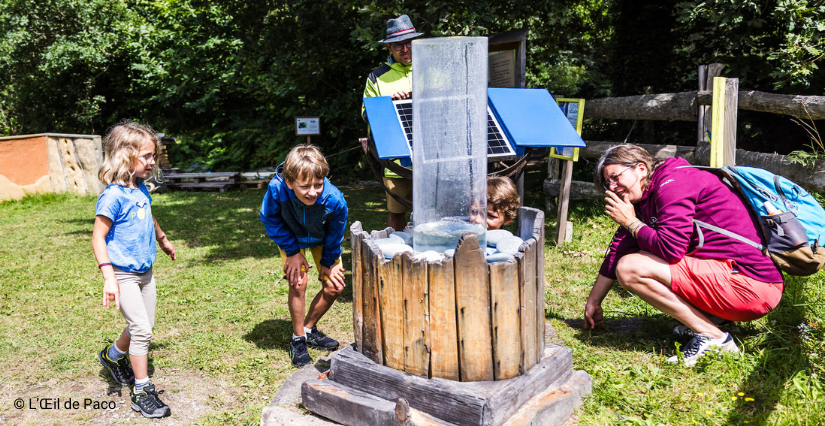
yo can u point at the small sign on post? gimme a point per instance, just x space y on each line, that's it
307 126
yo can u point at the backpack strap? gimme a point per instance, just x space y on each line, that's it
700 224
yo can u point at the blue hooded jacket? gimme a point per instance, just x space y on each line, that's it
294 226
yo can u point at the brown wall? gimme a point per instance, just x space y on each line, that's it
24 161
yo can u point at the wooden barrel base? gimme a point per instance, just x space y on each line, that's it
458 318
358 391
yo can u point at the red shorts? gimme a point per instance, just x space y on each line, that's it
713 287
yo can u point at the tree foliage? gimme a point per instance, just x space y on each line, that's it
228 77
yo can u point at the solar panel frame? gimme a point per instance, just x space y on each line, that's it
498 145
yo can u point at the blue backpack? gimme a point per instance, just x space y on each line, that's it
793 234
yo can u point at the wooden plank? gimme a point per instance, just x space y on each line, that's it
357 236
355 408
506 324
390 286
416 311
564 201
372 318
443 335
384 233
450 401
731 114
535 229
464 403
472 291
553 370
527 279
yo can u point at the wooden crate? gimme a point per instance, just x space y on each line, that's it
459 318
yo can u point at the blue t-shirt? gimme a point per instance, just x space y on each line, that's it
131 240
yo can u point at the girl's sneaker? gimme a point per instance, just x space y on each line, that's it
147 402
700 345
120 369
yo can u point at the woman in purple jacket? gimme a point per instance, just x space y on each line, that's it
657 254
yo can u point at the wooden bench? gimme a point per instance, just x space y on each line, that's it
254 184
221 181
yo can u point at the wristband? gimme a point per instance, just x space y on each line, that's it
100 266
161 237
636 229
631 223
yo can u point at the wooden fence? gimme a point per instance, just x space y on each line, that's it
695 106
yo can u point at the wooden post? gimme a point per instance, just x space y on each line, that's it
472 297
712 71
443 336
564 201
390 288
506 323
648 131
700 113
416 356
357 236
725 110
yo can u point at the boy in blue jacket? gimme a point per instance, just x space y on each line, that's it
303 210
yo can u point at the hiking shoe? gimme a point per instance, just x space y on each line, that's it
700 345
148 403
120 369
318 340
298 352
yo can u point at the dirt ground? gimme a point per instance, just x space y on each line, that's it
190 396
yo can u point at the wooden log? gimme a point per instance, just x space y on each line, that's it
473 308
349 406
527 277
391 291
793 105
504 291
443 334
811 177
370 256
663 106
416 307
357 236
596 149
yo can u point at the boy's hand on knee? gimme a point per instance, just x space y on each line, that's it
295 268
111 291
333 274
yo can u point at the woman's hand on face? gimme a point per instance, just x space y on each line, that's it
619 209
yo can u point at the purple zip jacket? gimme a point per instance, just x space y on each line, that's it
668 206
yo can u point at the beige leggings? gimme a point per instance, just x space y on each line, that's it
138 300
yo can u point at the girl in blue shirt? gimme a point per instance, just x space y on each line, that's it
123 245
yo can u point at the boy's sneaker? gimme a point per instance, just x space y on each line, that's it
120 369
700 345
298 352
318 340
147 402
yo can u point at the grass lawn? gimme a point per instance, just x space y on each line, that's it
220 344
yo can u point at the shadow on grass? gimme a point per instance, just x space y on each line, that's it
271 334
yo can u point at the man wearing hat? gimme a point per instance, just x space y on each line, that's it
394 78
